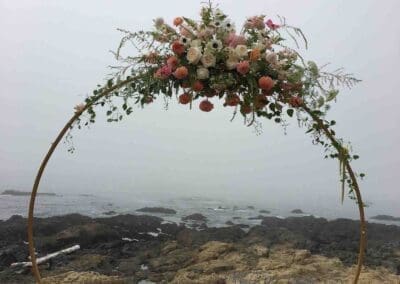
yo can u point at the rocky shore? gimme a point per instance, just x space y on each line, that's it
140 248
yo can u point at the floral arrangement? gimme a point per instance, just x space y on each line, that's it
252 69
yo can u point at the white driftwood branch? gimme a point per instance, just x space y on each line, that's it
47 257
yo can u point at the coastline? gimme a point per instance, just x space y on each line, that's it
139 247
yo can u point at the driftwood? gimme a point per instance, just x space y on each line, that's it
47 257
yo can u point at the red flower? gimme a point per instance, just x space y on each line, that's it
245 109
198 86
178 47
185 98
232 100
296 101
266 83
206 106
271 25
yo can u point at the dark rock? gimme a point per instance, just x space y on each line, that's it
242 226
229 223
250 207
297 211
259 217
385 218
338 237
111 212
161 210
195 217
265 211
236 218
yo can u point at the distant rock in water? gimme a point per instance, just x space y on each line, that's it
229 223
25 193
259 217
195 217
111 212
297 211
161 210
265 211
250 207
385 218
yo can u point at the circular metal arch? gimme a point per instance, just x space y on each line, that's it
35 268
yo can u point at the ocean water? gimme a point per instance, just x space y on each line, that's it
218 211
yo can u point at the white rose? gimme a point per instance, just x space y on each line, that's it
241 50
271 57
193 55
208 60
231 63
195 43
202 73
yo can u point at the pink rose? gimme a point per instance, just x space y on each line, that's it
243 67
163 72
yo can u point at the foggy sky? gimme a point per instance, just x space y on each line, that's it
53 53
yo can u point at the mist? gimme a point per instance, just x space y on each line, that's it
53 54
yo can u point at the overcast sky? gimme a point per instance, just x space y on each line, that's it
54 52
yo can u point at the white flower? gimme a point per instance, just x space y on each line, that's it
214 45
228 26
217 24
194 55
271 57
208 59
232 62
259 45
184 40
79 107
195 43
241 51
202 73
159 22
218 13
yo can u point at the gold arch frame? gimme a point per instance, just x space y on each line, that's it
35 268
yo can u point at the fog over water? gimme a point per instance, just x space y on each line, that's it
54 53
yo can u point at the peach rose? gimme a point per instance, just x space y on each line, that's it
181 73
178 21
255 54
208 59
194 55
